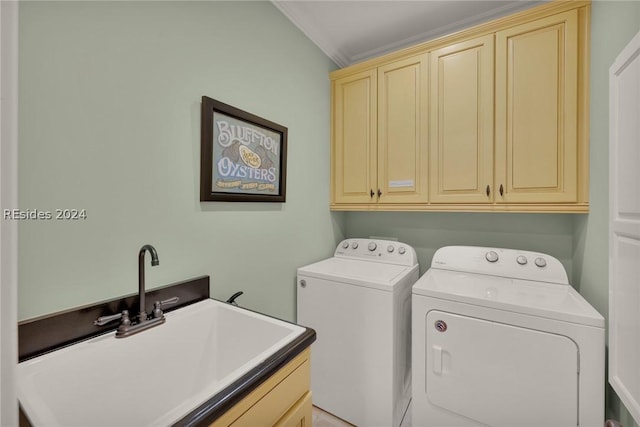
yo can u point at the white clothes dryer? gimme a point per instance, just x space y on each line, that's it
359 303
501 339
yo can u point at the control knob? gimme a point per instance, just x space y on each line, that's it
522 260
372 246
345 244
354 245
491 256
390 248
401 250
541 262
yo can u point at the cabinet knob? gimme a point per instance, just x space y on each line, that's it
371 193
501 190
379 193
488 190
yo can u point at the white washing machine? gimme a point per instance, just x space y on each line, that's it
359 303
501 339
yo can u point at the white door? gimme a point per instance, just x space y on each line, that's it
624 226
351 362
500 375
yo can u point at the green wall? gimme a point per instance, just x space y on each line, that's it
426 232
109 98
109 121
613 25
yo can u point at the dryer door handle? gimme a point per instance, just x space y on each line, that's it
437 359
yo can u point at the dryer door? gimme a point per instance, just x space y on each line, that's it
500 375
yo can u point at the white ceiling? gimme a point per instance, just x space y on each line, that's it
350 31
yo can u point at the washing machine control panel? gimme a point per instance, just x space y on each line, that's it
510 263
388 251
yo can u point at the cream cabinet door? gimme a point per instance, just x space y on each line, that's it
402 131
354 148
537 111
300 415
461 122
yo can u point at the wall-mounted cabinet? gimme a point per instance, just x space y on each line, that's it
461 120
537 110
402 133
494 118
355 148
379 155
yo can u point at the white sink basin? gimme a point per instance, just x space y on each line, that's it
153 378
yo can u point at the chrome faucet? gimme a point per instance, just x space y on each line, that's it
127 327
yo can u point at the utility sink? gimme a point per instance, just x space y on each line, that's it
153 378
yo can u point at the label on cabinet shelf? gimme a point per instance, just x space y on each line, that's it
403 183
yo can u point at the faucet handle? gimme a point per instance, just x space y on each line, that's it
157 306
169 301
103 320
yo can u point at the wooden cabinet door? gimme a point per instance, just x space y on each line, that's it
537 110
354 147
279 400
461 122
402 131
299 415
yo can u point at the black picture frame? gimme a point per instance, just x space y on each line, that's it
243 157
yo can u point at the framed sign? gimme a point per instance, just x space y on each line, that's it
243 157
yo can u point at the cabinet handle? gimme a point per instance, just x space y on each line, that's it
488 190
372 193
379 193
501 190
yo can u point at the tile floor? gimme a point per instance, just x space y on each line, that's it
320 418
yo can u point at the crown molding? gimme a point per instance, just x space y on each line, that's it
445 29
317 36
